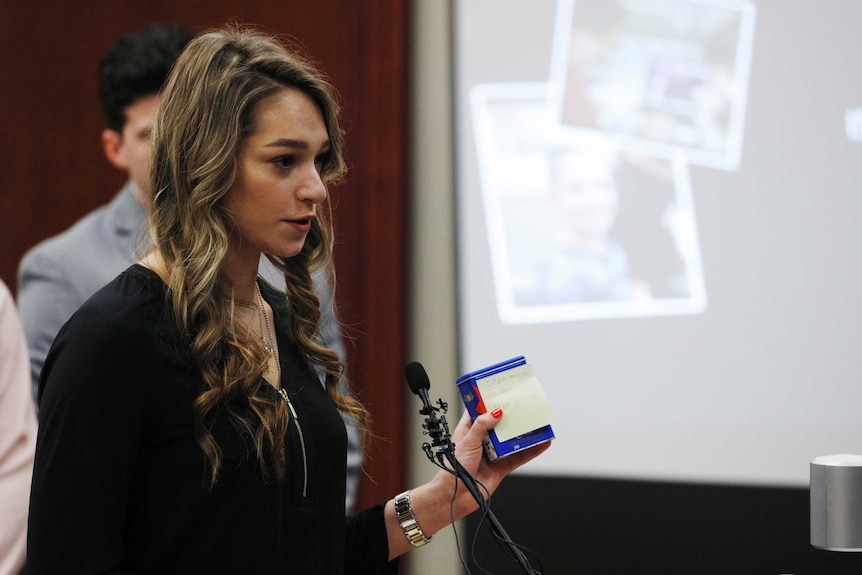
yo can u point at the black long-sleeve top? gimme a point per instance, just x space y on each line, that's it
121 484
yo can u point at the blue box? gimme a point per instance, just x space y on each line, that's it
494 448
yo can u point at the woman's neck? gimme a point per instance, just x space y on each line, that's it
240 270
240 273
156 262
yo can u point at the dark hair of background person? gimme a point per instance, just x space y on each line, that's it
137 66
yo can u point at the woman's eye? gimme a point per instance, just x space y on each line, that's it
320 160
284 162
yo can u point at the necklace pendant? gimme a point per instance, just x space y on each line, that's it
267 345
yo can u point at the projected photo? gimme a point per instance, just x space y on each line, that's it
667 75
578 228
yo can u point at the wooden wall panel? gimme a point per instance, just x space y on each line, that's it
53 172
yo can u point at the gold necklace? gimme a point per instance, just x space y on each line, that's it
270 344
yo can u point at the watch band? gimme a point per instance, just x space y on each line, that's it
408 521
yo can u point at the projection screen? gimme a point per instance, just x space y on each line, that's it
659 207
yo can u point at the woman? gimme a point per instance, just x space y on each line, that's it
184 428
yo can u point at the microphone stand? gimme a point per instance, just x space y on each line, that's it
442 448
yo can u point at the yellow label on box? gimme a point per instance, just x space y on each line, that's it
519 394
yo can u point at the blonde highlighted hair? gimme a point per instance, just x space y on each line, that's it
207 109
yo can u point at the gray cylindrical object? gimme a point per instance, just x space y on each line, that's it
836 502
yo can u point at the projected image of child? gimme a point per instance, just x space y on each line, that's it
584 262
580 226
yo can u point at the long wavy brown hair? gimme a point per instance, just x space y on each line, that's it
207 109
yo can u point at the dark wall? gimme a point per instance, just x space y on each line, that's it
607 527
53 172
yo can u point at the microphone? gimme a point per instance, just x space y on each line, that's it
438 429
417 379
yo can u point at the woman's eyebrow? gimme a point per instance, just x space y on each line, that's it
290 143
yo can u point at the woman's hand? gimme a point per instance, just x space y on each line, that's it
433 501
468 437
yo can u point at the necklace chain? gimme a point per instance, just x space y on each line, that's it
270 344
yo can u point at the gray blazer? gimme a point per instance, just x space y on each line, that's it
59 274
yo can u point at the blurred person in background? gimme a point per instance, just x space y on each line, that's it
17 437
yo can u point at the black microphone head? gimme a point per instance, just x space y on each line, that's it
416 377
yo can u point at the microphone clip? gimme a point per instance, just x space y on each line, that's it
427 409
437 428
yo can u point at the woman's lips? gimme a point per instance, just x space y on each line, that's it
303 224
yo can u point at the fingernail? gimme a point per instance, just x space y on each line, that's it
497 413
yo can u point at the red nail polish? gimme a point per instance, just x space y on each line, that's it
497 413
